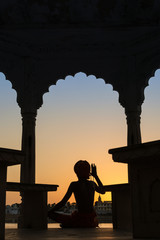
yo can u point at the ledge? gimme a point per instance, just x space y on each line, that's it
11 157
143 151
20 187
117 187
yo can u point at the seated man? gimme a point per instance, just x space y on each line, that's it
83 190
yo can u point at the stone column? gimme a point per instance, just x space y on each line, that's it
133 122
28 146
134 131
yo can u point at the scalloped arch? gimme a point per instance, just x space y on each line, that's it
3 78
152 66
150 79
151 75
82 75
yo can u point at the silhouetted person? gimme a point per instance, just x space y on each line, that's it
83 190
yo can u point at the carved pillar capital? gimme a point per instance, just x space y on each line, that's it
29 118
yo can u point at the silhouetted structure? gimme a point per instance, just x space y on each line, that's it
43 41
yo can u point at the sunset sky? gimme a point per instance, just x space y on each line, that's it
81 118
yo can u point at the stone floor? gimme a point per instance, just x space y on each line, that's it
67 234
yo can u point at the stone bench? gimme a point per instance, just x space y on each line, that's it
34 196
8 157
121 206
33 212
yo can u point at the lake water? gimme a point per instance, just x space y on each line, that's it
55 225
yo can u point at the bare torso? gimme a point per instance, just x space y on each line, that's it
84 194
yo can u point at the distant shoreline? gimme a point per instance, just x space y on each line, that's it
13 218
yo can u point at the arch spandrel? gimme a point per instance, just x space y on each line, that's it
8 66
60 72
146 70
19 72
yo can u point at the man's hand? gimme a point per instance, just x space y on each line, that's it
93 170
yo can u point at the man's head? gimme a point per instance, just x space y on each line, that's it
82 169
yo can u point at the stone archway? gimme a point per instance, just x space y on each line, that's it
97 105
